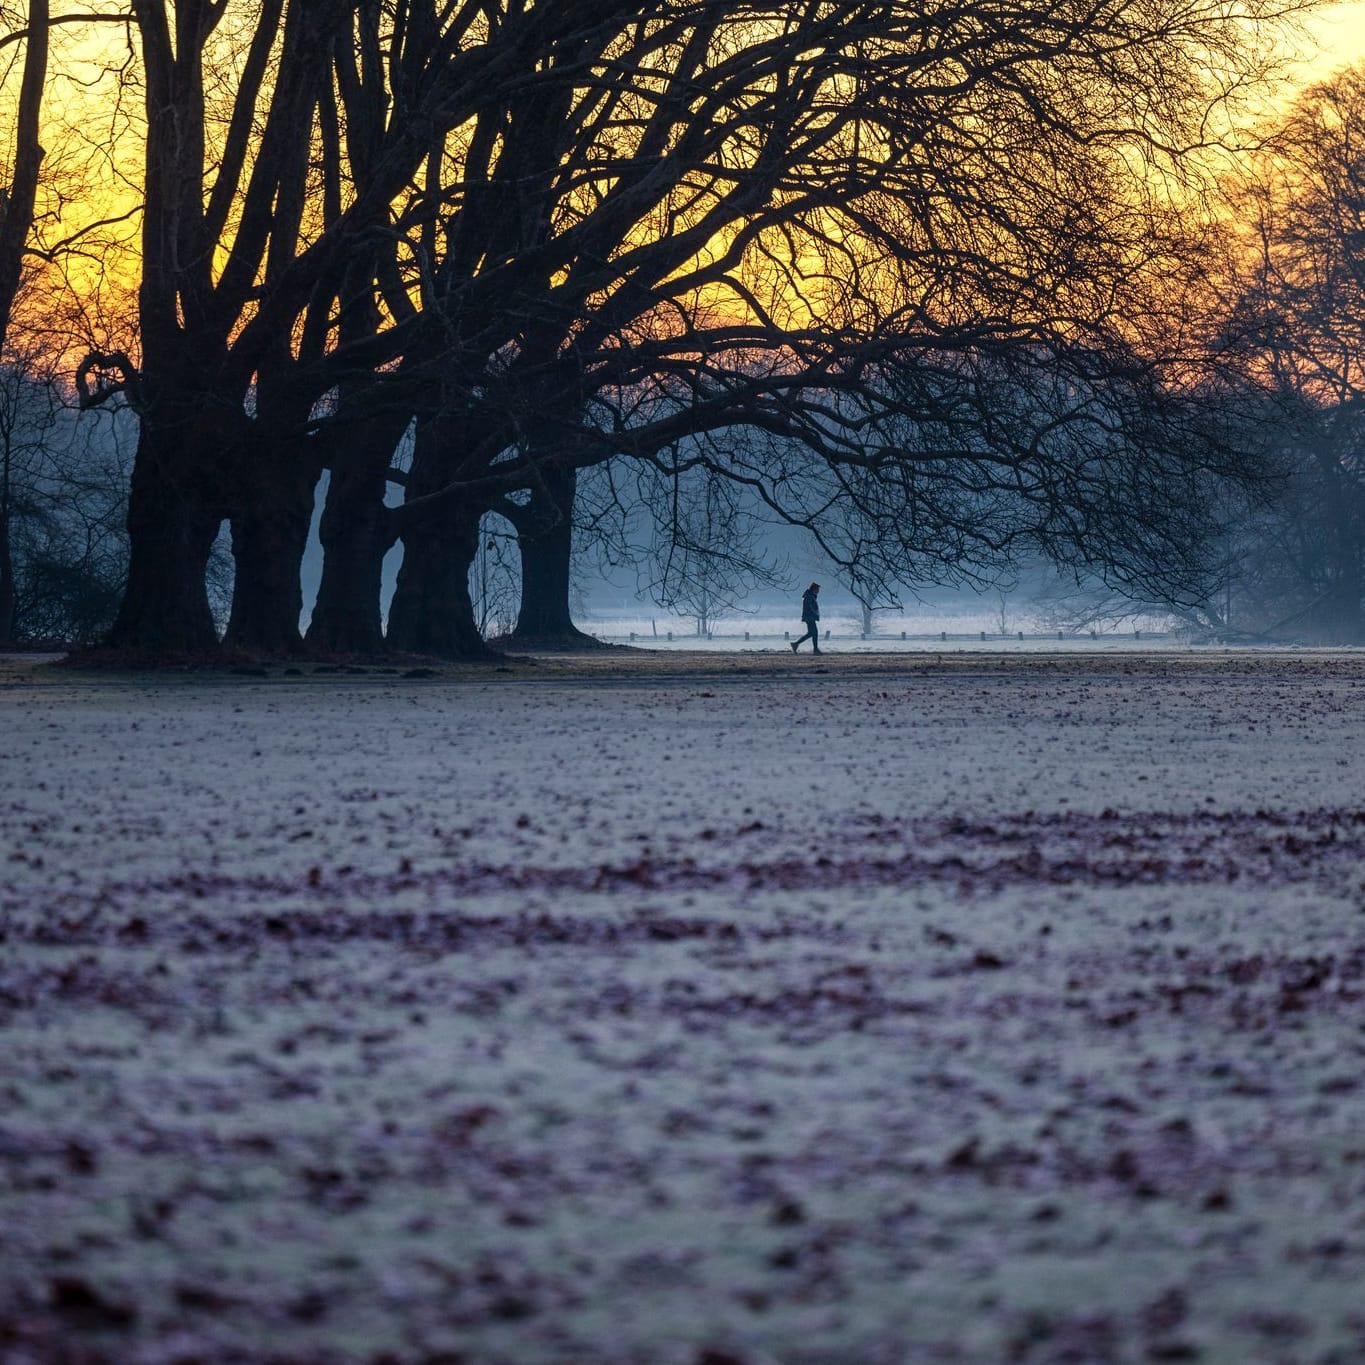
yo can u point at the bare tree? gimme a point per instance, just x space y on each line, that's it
18 199
707 553
276 154
886 217
29 408
63 499
28 30
641 224
1298 319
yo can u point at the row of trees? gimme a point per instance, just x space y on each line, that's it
939 284
1299 564
1292 310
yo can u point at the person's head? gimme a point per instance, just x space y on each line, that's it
815 587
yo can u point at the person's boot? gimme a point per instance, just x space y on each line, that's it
794 645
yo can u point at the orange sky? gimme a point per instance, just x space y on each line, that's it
1331 38
1335 38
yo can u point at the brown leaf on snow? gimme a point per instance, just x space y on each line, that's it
83 1305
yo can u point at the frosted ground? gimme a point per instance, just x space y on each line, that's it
965 623
690 1009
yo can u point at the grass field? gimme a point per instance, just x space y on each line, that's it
686 1008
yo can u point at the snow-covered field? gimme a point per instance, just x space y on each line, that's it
685 1009
846 640
962 622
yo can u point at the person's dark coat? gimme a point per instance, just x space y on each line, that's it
810 606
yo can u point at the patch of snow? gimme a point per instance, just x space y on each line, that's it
976 1009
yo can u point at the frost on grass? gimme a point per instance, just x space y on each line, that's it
978 1012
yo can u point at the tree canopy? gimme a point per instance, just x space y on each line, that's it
918 276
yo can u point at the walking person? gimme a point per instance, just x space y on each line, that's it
810 617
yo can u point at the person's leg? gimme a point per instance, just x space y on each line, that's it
801 641
815 637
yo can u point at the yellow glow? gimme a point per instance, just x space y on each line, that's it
1335 38
79 125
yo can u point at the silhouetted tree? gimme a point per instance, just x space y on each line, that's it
707 550
1298 317
875 235
638 224
63 495
545 531
29 410
20 195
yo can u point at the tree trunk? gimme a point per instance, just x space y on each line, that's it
545 540
269 537
16 211
355 539
432 612
172 524
357 532
545 585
